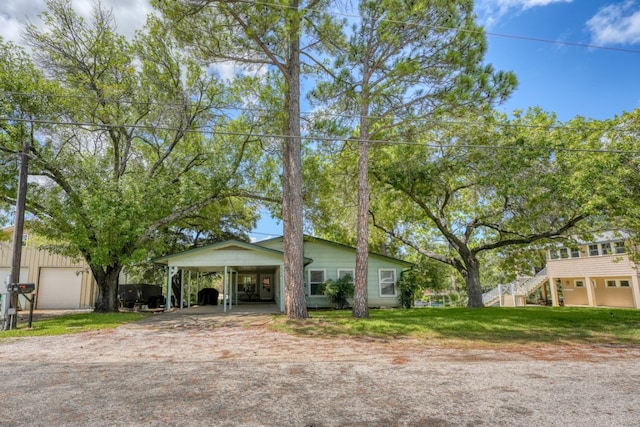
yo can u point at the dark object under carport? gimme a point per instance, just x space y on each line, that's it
140 294
208 296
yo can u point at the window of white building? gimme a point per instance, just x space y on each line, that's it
387 279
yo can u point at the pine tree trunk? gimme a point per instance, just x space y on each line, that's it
360 295
295 303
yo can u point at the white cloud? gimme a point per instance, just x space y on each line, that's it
228 70
129 15
616 24
15 13
491 11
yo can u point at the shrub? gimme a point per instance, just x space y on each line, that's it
408 289
338 291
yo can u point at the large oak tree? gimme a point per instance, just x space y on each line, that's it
482 184
134 142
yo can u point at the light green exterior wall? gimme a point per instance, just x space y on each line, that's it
332 257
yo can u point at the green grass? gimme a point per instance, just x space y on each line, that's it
487 326
440 326
72 323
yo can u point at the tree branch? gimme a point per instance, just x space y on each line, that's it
525 239
454 262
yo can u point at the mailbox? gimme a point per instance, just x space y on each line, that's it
22 288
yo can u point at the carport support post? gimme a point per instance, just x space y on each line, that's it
181 289
189 291
170 273
224 290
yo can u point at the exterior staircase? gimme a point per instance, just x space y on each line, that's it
515 288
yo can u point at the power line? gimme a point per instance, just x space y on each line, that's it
344 115
93 98
306 114
316 137
320 138
442 27
560 42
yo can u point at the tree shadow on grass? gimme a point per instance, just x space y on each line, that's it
490 325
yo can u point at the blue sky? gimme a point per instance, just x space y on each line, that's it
569 80
566 79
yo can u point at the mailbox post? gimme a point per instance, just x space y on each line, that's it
6 311
5 303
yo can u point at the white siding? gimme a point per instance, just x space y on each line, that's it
591 266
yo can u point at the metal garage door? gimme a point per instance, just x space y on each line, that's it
59 288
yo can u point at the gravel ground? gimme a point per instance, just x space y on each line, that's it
202 369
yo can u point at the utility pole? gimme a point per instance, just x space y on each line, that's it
18 229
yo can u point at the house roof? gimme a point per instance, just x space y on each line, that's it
308 238
257 247
606 236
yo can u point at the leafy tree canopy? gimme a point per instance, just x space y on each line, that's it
485 183
132 142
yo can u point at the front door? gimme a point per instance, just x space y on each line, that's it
266 286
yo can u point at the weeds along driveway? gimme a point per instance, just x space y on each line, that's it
208 370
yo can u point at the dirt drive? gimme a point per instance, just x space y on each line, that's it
199 369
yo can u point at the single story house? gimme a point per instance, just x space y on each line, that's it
255 271
61 282
595 274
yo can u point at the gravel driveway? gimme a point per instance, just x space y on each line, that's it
207 369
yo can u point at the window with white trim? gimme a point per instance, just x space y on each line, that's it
387 280
564 253
619 248
593 250
342 272
622 283
316 279
605 248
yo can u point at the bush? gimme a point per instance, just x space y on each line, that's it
338 291
408 290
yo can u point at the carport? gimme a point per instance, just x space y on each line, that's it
250 273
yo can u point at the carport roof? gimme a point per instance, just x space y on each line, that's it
228 244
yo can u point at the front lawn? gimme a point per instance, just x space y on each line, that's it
71 323
524 325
